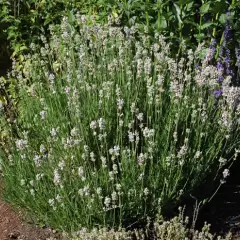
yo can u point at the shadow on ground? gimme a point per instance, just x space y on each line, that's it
223 211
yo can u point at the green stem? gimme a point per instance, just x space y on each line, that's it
215 192
146 13
214 30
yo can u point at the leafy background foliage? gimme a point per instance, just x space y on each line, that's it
189 20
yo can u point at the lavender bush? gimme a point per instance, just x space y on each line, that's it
110 130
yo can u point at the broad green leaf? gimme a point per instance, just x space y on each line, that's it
222 18
115 14
206 25
203 53
178 12
47 21
205 8
21 57
199 36
11 34
189 6
23 48
161 22
184 2
191 23
71 17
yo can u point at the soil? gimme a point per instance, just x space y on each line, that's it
12 227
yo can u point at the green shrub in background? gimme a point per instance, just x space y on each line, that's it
188 20
23 21
111 131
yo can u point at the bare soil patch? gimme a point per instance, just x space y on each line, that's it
12 227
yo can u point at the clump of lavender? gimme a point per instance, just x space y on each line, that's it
115 130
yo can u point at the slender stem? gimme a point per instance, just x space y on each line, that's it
215 192
146 13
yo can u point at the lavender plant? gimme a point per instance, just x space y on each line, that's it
111 131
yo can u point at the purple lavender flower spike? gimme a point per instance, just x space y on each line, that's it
212 45
224 52
227 61
238 57
221 51
217 93
213 48
212 51
227 32
220 68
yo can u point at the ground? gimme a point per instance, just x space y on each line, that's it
12 227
